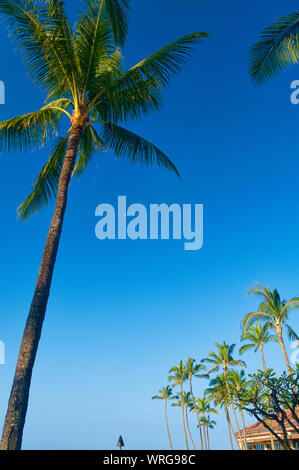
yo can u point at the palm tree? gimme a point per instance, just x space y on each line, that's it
257 336
165 393
193 370
208 423
222 360
178 376
80 71
217 391
273 312
185 404
203 407
237 383
276 49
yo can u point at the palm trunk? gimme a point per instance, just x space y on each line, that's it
197 414
18 401
204 430
208 437
189 432
281 341
167 426
265 371
241 444
244 429
229 426
183 416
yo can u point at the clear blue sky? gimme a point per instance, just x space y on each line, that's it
121 313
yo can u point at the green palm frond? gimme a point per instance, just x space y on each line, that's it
291 333
29 130
277 48
167 61
46 184
89 144
126 144
246 347
117 12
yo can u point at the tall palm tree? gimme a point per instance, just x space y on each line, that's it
185 404
257 336
178 376
217 391
274 313
222 360
276 49
79 68
237 383
165 393
203 407
194 370
208 423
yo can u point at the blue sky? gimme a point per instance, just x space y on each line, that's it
122 312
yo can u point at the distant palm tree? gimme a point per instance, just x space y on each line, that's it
217 391
223 359
273 312
203 406
276 49
177 376
80 70
257 336
208 423
185 404
193 370
165 393
238 383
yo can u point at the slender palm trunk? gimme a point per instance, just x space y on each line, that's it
18 401
197 414
240 444
167 425
284 352
244 428
265 371
189 432
183 416
229 426
204 430
208 437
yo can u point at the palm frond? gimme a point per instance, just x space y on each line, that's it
89 144
46 184
277 48
126 144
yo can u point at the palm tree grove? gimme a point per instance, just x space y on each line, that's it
132 334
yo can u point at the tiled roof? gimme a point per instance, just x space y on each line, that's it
258 428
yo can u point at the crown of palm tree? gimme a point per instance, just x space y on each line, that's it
80 70
276 49
218 391
178 374
223 358
237 381
272 311
165 393
208 422
257 335
203 405
187 401
194 370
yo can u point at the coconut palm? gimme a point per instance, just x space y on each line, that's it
273 312
218 392
276 49
223 359
178 376
165 393
257 336
194 370
208 423
203 407
238 383
80 70
185 404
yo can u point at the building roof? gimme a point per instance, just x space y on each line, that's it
258 428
